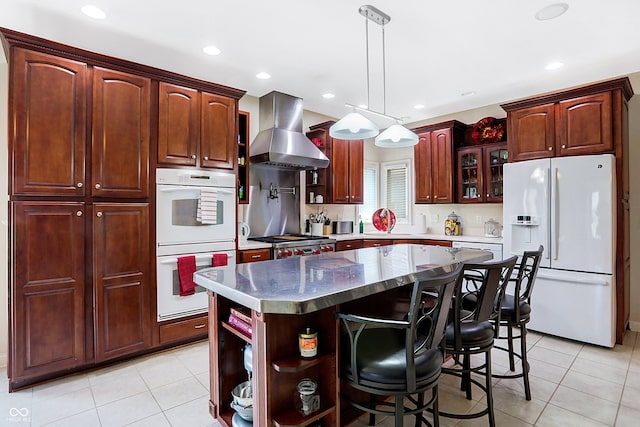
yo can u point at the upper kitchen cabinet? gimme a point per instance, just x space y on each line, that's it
120 134
434 161
480 173
243 157
343 180
47 105
579 121
195 128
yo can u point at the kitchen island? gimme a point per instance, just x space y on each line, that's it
282 297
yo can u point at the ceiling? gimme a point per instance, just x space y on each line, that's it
435 50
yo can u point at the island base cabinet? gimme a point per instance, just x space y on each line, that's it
277 365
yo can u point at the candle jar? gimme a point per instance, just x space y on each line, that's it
308 343
308 399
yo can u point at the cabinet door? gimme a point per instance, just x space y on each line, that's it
585 125
442 166
120 134
121 279
532 133
356 171
422 163
218 135
347 245
254 255
339 164
47 310
48 110
494 159
470 175
178 125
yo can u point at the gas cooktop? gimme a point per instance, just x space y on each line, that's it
288 238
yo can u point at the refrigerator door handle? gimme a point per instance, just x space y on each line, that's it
547 249
556 215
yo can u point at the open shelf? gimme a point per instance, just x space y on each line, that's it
294 418
299 364
236 332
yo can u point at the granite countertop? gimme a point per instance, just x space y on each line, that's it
305 284
244 245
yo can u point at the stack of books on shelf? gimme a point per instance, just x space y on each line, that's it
240 322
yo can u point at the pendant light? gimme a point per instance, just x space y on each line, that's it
354 125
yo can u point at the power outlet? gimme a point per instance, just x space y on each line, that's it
434 218
479 219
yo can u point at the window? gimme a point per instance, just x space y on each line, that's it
371 192
395 188
390 183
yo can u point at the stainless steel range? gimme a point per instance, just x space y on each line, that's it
292 245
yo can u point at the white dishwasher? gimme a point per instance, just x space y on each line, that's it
495 248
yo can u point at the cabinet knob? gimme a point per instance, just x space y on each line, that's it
206 158
564 146
428 197
98 186
79 213
193 156
487 194
79 185
550 148
99 214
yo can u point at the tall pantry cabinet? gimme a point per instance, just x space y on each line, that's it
79 211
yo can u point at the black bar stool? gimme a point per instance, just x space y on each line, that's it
399 358
515 312
477 300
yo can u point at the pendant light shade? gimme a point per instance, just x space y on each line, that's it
396 136
354 126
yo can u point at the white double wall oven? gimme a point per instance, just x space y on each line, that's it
179 233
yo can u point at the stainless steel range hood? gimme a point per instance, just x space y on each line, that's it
280 142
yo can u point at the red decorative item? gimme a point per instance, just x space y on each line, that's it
317 142
486 131
384 219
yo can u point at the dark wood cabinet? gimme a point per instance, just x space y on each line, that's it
347 245
254 255
47 104
243 157
121 260
434 162
480 173
120 134
576 122
342 182
48 289
195 128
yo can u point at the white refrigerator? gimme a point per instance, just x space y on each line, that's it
566 204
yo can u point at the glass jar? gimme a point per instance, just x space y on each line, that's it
491 228
453 225
308 400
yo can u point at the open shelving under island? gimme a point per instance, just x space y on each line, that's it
283 297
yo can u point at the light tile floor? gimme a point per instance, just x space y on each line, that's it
572 384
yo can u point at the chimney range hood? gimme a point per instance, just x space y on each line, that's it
280 142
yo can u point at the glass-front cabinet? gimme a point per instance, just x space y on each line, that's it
480 173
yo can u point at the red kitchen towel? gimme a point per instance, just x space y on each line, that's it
186 268
219 260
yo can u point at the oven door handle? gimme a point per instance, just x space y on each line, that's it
173 189
198 258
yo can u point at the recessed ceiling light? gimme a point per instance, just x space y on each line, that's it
328 96
93 12
263 76
554 66
211 50
418 106
552 11
468 93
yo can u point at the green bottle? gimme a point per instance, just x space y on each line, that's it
240 191
361 225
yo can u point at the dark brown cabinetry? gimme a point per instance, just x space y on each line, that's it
480 173
48 289
343 180
121 279
120 134
434 161
576 123
374 243
243 156
591 119
195 128
254 255
347 245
